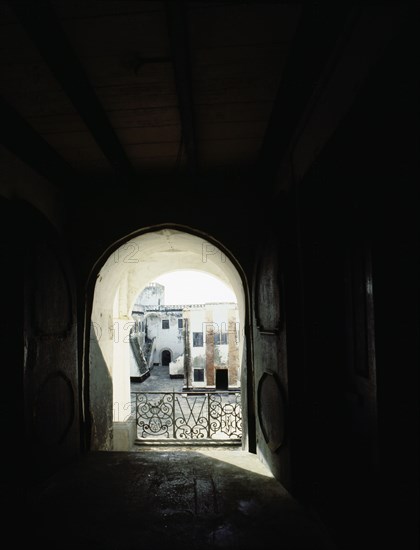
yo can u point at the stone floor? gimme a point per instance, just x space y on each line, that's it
159 380
169 499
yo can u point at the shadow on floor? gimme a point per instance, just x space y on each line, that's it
170 499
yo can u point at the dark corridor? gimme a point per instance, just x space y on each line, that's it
286 134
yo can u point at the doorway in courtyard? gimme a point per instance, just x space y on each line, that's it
166 358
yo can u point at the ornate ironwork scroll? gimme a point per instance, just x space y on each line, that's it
185 416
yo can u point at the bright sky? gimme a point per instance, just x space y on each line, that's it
194 287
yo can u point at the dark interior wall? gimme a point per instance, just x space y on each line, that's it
41 407
11 334
353 313
395 268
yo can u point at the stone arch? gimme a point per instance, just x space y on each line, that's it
123 270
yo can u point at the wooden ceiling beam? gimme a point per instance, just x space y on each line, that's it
44 28
318 30
178 35
24 142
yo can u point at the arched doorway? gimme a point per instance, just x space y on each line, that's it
121 273
166 358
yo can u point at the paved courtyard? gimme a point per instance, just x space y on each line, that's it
159 380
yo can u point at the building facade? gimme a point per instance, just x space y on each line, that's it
199 343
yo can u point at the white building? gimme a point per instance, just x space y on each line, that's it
199 343
211 358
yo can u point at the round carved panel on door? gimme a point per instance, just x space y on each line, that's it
52 305
54 409
268 316
271 410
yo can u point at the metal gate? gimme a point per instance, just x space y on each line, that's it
203 416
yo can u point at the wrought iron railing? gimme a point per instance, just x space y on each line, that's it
204 416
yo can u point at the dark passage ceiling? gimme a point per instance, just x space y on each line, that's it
99 88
